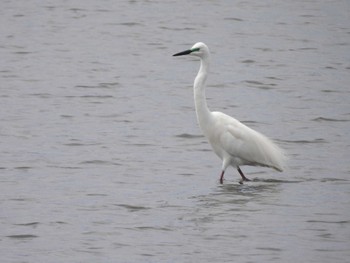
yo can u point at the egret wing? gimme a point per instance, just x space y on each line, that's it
250 147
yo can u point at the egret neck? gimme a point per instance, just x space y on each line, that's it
202 110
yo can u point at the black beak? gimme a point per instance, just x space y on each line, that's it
186 52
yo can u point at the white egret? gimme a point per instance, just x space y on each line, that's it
235 143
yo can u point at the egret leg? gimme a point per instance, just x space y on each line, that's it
222 177
242 175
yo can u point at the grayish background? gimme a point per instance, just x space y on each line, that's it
101 156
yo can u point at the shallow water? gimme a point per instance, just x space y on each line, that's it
101 156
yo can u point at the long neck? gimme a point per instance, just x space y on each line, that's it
203 113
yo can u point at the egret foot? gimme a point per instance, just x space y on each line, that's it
243 176
222 177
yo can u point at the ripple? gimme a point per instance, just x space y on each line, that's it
278 181
260 85
130 24
96 194
329 222
22 236
99 162
304 141
325 180
97 96
254 82
22 52
178 28
41 95
153 228
234 19
133 208
248 61
75 144
188 136
321 119
23 167
106 85
270 249
29 224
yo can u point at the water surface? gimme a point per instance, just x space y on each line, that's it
101 156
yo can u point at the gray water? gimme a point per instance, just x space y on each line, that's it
102 159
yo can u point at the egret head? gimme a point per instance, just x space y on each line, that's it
199 50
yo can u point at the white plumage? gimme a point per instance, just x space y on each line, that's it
235 143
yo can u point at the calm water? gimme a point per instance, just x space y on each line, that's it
101 156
